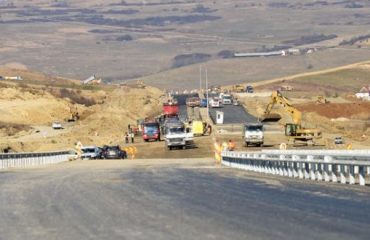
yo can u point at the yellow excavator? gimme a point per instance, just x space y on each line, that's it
294 131
74 115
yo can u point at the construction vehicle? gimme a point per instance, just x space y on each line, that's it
237 88
322 100
170 108
151 130
253 134
249 89
294 131
193 102
74 116
176 134
198 128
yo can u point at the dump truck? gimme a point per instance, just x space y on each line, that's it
151 131
170 108
176 134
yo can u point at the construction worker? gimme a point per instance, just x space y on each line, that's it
218 150
231 145
78 148
209 129
126 137
225 146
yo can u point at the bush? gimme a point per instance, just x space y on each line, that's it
74 97
188 59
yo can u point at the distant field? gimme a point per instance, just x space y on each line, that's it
133 39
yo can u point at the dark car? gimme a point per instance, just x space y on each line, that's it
113 152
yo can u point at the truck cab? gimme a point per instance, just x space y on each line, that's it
249 89
227 99
253 134
151 131
176 134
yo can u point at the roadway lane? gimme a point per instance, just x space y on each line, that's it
174 199
233 114
181 100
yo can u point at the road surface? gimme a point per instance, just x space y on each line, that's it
174 199
233 114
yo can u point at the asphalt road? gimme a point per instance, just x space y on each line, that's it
174 199
233 114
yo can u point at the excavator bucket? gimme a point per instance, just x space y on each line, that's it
272 117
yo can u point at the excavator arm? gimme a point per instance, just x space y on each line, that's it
277 98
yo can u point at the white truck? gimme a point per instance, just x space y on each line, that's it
253 134
176 135
227 99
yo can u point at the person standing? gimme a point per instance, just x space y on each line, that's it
132 135
126 137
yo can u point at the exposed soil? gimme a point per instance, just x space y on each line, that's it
358 110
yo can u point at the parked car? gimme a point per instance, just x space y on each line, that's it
338 140
113 152
91 152
56 125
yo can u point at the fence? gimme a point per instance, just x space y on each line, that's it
344 166
24 160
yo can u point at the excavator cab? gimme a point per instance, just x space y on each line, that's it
291 129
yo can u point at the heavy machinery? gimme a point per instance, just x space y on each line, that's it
322 100
237 88
294 131
74 116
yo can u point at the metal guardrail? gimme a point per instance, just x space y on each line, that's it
24 160
344 166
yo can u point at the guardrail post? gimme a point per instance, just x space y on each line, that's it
327 170
361 175
300 170
318 167
295 165
352 173
334 173
343 170
312 171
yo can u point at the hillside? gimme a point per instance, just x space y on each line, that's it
28 110
164 42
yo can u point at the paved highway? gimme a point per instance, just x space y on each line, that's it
233 114
174 199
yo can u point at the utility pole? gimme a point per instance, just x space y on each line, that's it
200 80
207 94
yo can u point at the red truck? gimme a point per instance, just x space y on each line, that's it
151 131
170 108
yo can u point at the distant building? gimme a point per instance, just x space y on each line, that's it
18 78
91 80
364 93
261 54
294 51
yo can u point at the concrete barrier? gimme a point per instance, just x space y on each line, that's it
344 166
24 160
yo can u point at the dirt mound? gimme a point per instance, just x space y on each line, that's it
356 110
